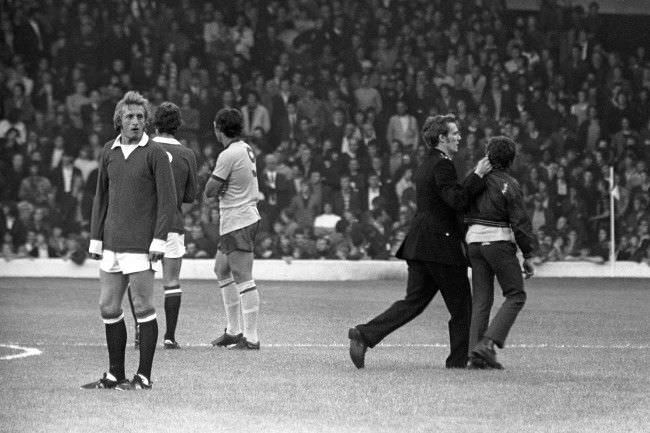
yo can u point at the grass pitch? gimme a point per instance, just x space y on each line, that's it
577 361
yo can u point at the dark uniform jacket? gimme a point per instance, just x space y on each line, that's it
436 233
502 205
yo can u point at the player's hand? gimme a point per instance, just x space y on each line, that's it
528 269
483 167
95 256
154 256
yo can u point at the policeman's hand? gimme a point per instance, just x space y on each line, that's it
528 269
154 256
95 256
483 167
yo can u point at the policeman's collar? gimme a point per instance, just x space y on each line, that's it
442 154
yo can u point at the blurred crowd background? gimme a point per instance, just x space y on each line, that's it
333 94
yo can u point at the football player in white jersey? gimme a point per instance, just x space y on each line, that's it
234 184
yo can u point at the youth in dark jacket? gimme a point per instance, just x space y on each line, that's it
498 223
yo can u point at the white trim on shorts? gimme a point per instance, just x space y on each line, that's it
175 245
126 263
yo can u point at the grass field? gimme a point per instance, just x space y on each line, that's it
578 361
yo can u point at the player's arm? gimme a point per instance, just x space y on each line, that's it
457 195
166 203
213 186
522 227
219 175
100 208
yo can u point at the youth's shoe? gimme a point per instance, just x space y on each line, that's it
227 340
136 342
487 355
244 344
476 364
104 383
171 344
138 382
358 348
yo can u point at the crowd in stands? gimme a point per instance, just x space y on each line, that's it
333 95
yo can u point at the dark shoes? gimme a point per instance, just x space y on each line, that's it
139 382
227 340
357 347
171 344
484 357
105 383
244 344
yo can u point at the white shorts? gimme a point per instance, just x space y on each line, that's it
175 246
127 263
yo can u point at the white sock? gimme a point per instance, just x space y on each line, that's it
250 308
231 305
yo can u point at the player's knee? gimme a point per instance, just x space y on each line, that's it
241 275
109 310
221 270
171 282
142 304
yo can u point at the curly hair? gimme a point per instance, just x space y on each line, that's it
501 151
434 127
230 122
131 98
167 118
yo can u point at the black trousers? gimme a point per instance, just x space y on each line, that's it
425 279
489 260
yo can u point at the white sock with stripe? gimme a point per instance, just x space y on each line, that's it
250 307
231 305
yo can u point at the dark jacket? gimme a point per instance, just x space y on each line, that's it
501 204
436 233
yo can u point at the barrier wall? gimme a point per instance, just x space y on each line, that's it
311 270
629 7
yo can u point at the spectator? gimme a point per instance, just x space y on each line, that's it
35 188
403 127
304 206
367 96
326 222
255 115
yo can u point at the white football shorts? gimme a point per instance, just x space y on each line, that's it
127 263
175 246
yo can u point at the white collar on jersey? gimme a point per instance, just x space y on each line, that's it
166 140
118 142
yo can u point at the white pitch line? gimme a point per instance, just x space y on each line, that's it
26 351
340 345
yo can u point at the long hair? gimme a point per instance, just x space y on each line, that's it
131 98
434 127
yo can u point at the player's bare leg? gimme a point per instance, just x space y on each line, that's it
241 266
173 293
231 304
136 340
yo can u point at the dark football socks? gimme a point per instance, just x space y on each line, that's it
148 338
116 342
172 307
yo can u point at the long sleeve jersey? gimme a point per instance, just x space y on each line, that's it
135 200
183 163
